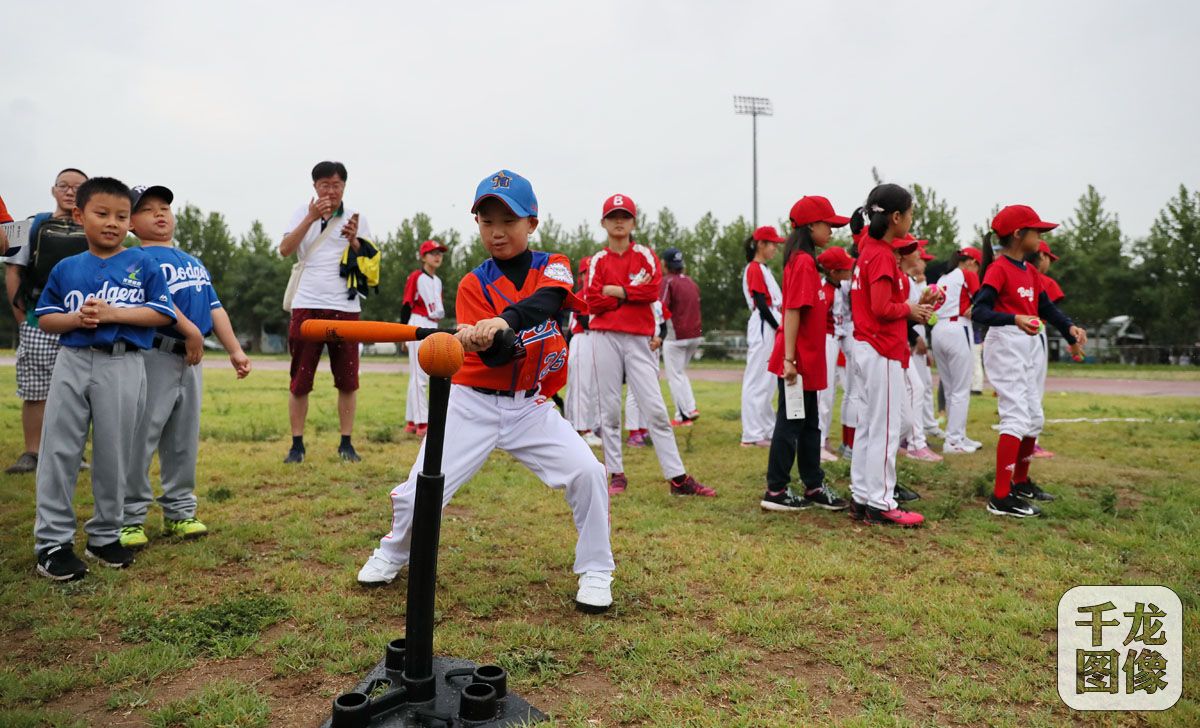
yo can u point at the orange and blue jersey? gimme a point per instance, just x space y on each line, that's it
485 293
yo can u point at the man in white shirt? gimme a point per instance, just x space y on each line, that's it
319 234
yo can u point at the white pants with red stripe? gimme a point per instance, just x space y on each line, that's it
532 431
627 356
677 354
851 387
911 427
956 367
758 384
873 468
926 418
1011 357
580 404
825 396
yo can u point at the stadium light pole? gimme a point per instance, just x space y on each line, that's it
754 106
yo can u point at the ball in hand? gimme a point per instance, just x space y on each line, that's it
440 355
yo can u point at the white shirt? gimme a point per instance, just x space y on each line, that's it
843 320
954 284
321 286
429 291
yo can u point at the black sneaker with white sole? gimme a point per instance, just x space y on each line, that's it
1012 505
110 554
824 497
906 495
783 501
60 563
857 510
1029 490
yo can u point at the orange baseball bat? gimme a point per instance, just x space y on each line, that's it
361 331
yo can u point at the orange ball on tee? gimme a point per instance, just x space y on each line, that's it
440 354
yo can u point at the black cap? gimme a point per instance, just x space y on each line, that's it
137 193
673 258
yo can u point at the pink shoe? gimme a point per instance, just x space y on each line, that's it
925 454
1041 452
691 486
894 517
828 457
411 428
636 439
763 443
617 484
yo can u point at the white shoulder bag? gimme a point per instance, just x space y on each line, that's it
298 267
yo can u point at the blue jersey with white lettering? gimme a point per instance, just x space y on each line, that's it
127 280
190 286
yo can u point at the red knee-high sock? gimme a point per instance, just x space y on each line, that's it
1006 459
1024 457
848 436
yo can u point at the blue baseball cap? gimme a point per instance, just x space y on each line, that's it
673 258
510 188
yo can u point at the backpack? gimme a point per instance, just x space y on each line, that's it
50 241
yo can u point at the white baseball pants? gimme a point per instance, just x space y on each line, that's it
1010 356
758 384
852 388
580 404
618 355
825 396
416 403
873 468
532 431
952 351
677 354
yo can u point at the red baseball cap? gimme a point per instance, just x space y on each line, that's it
618 202
430 246
1018 217
767 234
835 258
906 242
924 255
1044 249
974 254
812 208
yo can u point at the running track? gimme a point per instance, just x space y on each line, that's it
1137 387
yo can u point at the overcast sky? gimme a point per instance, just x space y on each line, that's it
231 103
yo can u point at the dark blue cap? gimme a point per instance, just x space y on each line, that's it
673 258
137 193
510 188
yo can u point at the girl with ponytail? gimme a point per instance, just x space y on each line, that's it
764 299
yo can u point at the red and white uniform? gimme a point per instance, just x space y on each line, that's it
832 373
879 306
526 426
758 384
1055 293
843 326
580 404
952 344
1010 355
913 412
803 290
621 331
423 293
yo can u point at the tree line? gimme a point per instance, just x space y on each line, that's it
1105 273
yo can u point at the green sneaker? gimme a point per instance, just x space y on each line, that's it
184 528
134 537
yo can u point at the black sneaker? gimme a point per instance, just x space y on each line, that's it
905 495
294 456
110 554
784 501
824 497
857 510
348 454
1029 490
60 563
1011 505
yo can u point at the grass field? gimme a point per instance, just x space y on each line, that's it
724 616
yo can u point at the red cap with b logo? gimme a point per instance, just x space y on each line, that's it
618 202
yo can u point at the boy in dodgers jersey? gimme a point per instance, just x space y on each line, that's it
171 421
623 282
423 304
1009 303
494 400
104 304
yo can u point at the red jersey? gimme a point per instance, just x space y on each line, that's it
970 288
485 292
880 323
1018 286
1053 291
639 272
4 216
828 288
802 290
681 304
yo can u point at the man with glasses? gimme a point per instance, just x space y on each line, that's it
319 235
52 237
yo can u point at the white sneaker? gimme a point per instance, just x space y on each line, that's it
592 441
378 571
595 592
976 444
937 432
957 448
